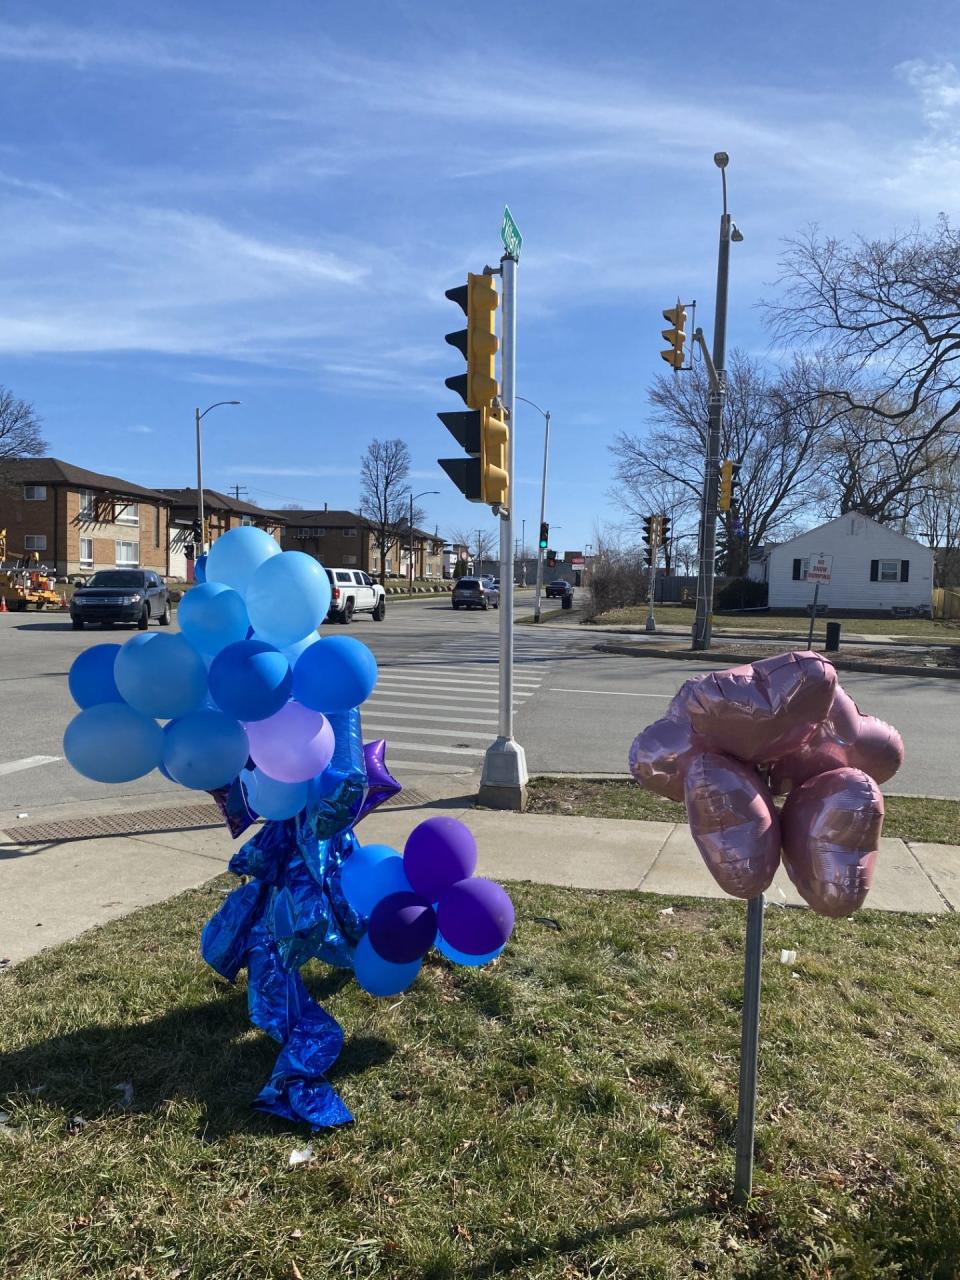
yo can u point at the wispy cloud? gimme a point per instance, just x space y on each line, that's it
292 471
141 431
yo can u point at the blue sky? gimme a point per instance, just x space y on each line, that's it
266 203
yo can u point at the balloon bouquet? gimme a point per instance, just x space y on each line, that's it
263 713
732 740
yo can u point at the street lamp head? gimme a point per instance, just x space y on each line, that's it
231 402
721 159
736 235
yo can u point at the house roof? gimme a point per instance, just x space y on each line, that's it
54 471
846 516
321 519
213 500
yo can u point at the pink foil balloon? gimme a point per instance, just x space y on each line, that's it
759 712
734 823
293 745
846 739
660 753
831 833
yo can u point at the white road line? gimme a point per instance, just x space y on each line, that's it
433 751
430 686
426 767
28 762
399 712
611 693
476 699
466 680
384 730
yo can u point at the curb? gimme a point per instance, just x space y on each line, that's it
738 659
677 633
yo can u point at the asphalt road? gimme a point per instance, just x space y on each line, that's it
576 710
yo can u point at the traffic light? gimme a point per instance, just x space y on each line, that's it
726 485
477 342
664 529
544 535
651 529
484 436
675 336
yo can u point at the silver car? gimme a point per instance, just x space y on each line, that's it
475 593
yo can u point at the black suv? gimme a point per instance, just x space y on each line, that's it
133 596
559 588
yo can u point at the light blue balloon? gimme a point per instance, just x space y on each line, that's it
379 977
461 957
204 749
385 876
335 675
288 598
212 616
161 675
272 799
91 676
357 870
113 743
234 558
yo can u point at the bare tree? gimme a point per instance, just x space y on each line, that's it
936 518
480 543
771 429
385 494
20 429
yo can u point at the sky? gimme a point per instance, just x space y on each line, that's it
266 203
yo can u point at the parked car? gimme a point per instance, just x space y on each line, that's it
559 587
352 591
133 596
475 593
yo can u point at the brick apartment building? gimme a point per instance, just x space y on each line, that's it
345 539
78 520
221 514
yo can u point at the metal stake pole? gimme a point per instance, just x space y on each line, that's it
503 783
543 506
813 614
202 548
652 578
749 1051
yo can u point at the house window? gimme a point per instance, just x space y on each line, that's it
87 499
128 552
127 513
389 566
246 520
349 559
348 532
800 567
34 493
35 542
86 551
889 570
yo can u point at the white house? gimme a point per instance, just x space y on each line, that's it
870 566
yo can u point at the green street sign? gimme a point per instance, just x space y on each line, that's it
510 235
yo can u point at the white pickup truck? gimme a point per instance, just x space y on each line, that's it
352 591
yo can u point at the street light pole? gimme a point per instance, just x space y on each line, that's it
425 493
703 619
200 415
543 502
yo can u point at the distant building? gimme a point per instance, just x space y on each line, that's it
221 513
343 538
872 567
78 520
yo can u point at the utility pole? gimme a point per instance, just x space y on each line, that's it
703 619
503 783
651 624
236 490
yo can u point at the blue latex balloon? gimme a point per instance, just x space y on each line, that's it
235 557
272 799
212 616
91 677
379 977
335 675
357 870
112 743
204 749
461 957
200 568
292 652
287 598
161 675
387 876
250 680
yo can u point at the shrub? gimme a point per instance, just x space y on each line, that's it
742 593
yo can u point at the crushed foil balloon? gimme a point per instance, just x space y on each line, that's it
732 740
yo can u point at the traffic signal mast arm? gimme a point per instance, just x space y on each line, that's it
716 385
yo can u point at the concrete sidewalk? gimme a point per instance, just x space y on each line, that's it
54 889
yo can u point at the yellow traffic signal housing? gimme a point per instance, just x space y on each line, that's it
726 486
494 448
676 336
478 342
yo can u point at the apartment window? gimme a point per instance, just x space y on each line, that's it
128 513
86 551
35 542
128 552
349 559
88 504
349 531
34 493
246 520
389 568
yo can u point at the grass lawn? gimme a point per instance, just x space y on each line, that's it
909 817
567 1114
678 616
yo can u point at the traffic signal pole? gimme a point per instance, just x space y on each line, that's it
503 783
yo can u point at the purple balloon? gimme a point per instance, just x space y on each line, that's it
402 928
292 746
439 852
475 916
